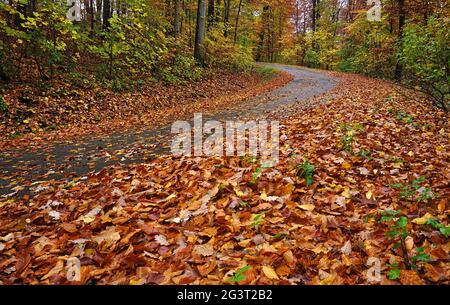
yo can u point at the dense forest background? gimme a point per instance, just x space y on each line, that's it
123 44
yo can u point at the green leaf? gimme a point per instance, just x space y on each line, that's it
239 275
255 175
280 235
243 203
402 222
421 257
434 223
394 274
396 185
445 231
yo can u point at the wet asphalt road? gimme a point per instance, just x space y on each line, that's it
24 169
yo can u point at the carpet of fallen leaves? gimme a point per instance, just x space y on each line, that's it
36 117
375 148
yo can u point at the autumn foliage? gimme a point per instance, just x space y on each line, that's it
360 176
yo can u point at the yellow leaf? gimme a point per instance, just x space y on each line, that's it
346 165
137 282
264 197
346 192
422 220
440 148
270 273
238 192
6 202
346 260
26 121
410 153
88 219
306 207
171 196
369 194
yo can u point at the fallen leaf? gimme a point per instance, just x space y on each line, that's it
270 273
204 250
306 207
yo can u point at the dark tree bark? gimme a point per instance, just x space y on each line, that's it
199 52
91 11
401 23
217 11
226 16
106 10
314 8
211 14
177 19
237 21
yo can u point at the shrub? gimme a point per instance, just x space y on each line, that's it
425 55
368 48
222 53
312 59
265 72
181 67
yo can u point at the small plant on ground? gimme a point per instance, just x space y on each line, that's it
239 276
280 235
256 175
258 171
363 154
414 191
420 256
397 231
349 131
15 135
394 271
305 170
405 117
251 159
257 220
243 203
433 222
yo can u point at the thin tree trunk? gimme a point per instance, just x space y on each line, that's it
237 21
106 14
91 9
211 14
314 8
199 52
401 23
176 19
226 16
189 16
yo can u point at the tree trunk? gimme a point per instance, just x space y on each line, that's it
401 23
211 14
199 52
106 14
91 10
237 21
314 8
226 16
176 19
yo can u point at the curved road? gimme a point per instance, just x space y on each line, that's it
21 171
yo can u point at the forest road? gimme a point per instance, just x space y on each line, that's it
28 171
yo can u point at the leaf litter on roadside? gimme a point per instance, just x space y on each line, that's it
179 220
